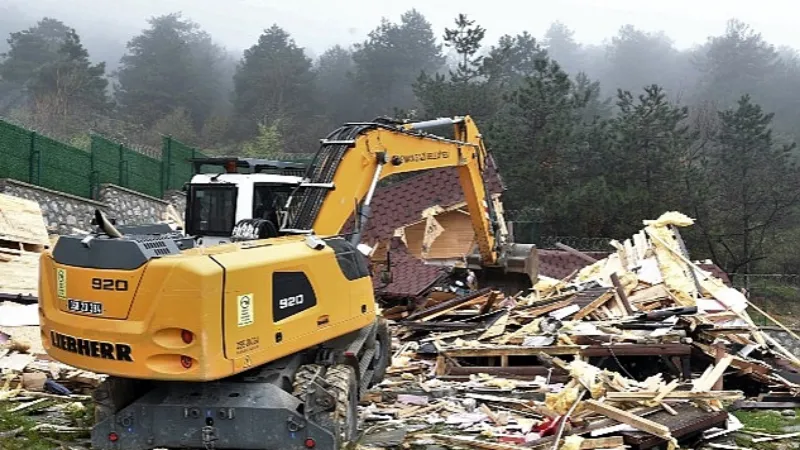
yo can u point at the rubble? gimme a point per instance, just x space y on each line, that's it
641 349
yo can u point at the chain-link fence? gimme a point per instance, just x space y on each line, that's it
177 169
33 158
776 294
526 232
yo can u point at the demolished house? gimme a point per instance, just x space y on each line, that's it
396 231
639 347
644 348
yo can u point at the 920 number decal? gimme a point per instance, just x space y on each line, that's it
288 302
109 284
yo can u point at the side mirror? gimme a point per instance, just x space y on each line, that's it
185 187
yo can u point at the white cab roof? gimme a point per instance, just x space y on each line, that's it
236 178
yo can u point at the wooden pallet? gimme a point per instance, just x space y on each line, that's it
22 226
463 361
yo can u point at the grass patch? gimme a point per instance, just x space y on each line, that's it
765 422
27 439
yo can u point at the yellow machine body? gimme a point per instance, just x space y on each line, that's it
149 313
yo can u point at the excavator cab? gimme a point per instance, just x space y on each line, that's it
244 200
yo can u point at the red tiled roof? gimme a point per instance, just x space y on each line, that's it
717 272
402 203
411 276
560 264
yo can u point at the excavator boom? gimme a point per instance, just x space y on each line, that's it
353 158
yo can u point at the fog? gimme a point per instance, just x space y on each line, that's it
318 24
600 113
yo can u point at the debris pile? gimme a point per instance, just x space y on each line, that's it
643 348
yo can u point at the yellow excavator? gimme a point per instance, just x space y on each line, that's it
265 335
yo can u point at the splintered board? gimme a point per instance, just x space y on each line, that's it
21 222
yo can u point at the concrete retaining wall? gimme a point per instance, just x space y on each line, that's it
66 213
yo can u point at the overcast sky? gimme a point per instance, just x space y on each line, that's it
317 24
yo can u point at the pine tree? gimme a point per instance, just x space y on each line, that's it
31 49
71 81
514 58
637 59
275 84
69 93
391 58
533 134
559 41
735 63
652 140
173 64
466 40
336 90
465 90
756 187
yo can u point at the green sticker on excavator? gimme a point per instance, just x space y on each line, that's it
61 282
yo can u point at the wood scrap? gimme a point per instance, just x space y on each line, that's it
627 418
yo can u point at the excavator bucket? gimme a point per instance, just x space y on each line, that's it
517 269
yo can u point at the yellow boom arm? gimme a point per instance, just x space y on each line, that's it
376 152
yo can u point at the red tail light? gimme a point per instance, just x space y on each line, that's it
113 437
187 336
186 362
310 443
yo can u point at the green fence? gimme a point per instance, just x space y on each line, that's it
30 157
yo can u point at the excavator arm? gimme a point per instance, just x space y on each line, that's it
353 158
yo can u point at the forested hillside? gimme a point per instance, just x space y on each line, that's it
590 139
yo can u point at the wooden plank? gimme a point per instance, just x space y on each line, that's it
776 438
542 310
666 390
637 350
738 363
669 409
588 309
20 275
707 382
512 351
21 221
774 320
768 405
649 294
625 417
497 328
605 442
449 305
489 303
577 253
623 298
674 395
